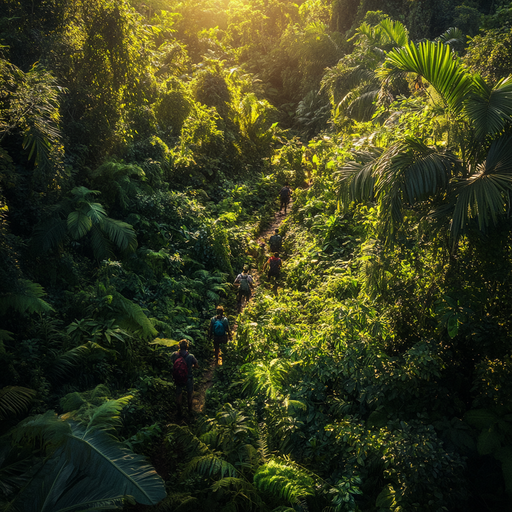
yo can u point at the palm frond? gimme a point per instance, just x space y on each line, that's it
395 31
452 36
436 63
485 194
64 364
211 464
106 416
490 109
79 224
410 172
44 429
15 400
120 233
266 378
357 180
133 316
363 107
26 298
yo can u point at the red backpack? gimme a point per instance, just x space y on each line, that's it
180 370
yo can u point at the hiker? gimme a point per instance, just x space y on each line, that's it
274 266
275 242
219 329
245 285
183 362
285 194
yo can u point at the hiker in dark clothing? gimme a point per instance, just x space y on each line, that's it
285 195
245 285
275 242
219 330
191 362
274 266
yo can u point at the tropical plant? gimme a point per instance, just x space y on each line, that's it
78 465
464 179
78 215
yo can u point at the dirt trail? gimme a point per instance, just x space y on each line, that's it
200 393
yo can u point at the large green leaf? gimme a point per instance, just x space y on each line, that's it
484 195
101 246
120 233
490 109
79 224
114 465
14 400
436 63
26 298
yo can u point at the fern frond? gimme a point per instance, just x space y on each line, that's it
133 316
44 429
284 480
25 299
211 464
106 416
184 436
15 400
64 364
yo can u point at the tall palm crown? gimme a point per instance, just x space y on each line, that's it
463 178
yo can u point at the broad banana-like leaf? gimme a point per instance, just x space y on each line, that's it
59 486
95 212
115 466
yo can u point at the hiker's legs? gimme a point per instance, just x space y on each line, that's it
216 346
178 398
190 392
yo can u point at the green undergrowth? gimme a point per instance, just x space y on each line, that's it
328 403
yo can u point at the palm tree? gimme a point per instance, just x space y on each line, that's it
468 177
79 215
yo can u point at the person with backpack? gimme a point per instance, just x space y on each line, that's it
275 242
219 330
285 195
182 364
245 285
274 266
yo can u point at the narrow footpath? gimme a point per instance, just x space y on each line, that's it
200 393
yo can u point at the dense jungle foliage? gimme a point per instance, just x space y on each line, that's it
142 148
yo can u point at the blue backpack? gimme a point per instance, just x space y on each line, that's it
219 329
